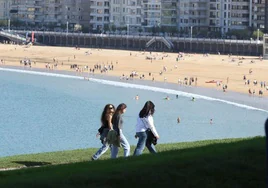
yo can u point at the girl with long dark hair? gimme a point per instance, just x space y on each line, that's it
145 122
117 122
106 125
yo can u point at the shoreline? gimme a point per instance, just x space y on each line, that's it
231 96
205 70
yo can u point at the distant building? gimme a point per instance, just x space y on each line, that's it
99 14
169 13
266 17
50 12
4 9
192 13
151 13
258 14
218 16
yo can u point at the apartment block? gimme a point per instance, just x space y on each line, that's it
4 9
169 13
151 13
257 14
73 12
212 15
266 17
46 12
99 14
193 13
125 12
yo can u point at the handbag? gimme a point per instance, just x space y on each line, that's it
150 137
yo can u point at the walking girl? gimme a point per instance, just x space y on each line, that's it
117 122
106 125
145 123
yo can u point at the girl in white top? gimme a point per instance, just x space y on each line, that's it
145 121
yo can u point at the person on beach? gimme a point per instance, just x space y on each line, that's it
117 122
145 123
106 125
211 121
178 120
167 98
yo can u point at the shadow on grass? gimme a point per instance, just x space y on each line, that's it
236 164
31 163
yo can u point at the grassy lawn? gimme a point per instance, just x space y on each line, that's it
215 163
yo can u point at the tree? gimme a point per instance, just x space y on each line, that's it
255 34
85 29
106 27
113 28
3 23
239 34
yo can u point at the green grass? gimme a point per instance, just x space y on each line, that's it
215 163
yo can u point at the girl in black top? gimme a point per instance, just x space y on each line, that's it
106 125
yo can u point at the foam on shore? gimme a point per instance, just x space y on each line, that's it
135 86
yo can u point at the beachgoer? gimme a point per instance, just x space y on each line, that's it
145 121
211 122
117 122
137 97
106 125
178 119
177 96
167 98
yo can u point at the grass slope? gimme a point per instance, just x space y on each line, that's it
217 163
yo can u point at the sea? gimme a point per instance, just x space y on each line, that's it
47 112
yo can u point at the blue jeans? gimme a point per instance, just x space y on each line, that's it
124 143
101 151
141 144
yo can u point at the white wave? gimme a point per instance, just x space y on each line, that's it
42 73
136 86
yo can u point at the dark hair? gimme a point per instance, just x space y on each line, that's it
148 108
119 108
103 115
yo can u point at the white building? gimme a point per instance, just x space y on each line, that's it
99 14
123 12
4 9
51 12
151 13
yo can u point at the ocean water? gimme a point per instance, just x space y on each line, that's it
53 113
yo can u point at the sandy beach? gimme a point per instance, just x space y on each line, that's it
164 67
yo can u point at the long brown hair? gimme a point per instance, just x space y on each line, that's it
103 115
119 109
147 108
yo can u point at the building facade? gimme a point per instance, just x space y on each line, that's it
192 14
99 14
151 13
257 14
50 12
169 13
4 9
266 17
185 15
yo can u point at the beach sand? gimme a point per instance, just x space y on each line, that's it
205 68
